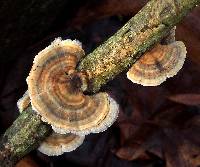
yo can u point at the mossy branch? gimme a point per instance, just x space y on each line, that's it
118 53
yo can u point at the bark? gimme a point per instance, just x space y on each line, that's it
117 54
24 135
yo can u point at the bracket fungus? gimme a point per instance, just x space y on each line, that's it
56 92
55 144
158 64
23 102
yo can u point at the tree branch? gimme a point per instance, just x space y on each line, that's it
117 54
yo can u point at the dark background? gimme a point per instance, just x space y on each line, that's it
157 126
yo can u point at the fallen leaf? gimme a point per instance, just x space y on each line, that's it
187 99
168 138
27 161
101 9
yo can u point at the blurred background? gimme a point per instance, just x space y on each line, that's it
157 126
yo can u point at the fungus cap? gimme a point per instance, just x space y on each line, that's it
57 144
94 118
55 89
23 102
158 64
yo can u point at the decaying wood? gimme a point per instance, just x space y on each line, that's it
117 54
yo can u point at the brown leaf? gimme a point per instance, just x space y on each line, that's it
178 152
128 153
189 31
127 129
27 162
187 99
170 135
105 8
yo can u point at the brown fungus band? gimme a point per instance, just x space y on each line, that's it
55 89
158 64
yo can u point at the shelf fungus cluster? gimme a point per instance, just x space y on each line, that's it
161 62
56 93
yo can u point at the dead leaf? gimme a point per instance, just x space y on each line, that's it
189 32
168 138
187 99
27 161
105 8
